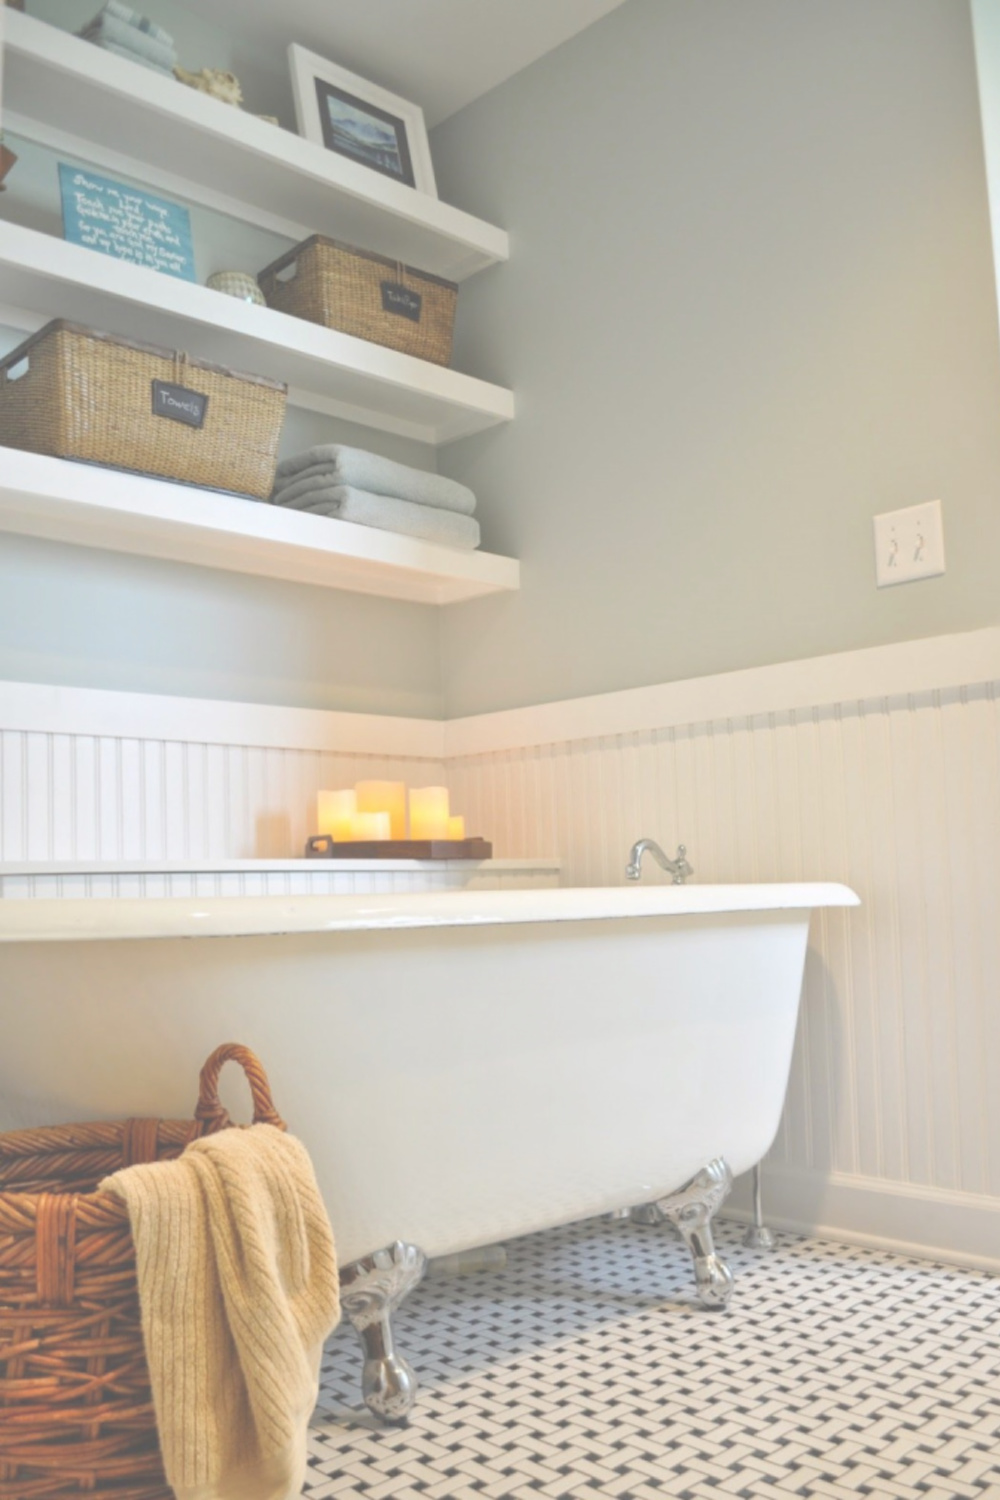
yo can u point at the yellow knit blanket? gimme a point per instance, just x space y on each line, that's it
238 1286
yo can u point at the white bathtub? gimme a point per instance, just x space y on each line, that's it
464 1067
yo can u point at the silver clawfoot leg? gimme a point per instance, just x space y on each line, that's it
758 1236
370 1291
691 1211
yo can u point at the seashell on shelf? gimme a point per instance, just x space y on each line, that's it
224 86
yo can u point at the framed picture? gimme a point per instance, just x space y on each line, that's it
361 121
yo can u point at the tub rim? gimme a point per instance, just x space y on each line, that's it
82 919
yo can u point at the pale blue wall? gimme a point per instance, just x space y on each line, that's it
750 303
82 617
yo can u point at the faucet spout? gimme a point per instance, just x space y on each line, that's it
677 867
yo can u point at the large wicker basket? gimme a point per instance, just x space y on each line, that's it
76 1415
77 393
365 294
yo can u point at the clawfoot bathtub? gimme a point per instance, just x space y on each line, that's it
463 1067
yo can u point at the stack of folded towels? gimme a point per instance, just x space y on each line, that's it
117 28
333 480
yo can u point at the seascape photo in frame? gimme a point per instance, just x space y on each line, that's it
361 121
358 130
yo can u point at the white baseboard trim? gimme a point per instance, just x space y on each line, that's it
940 662
959 1229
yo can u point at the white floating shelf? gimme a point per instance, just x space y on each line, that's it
44 277
96 97
96 507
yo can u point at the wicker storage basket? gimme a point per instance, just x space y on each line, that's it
76 1415
364 294
76 393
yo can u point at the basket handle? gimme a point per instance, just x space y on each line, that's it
209 1109
20 366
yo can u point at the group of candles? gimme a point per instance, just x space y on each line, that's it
376 810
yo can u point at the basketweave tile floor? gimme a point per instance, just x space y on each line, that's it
586 1369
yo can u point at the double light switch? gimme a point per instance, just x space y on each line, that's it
909 544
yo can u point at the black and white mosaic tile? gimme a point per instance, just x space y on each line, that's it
587 1368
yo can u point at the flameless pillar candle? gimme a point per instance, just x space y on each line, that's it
370 827
456 827
429 812
334 812
384 796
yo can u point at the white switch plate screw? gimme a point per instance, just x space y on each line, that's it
909 544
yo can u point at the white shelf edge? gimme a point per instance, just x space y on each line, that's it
72 74
96 507
40 274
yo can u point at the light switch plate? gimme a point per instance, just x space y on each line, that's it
909 544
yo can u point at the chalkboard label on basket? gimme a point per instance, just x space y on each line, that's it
178 403
401 301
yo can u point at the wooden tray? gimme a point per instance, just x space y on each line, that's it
322 846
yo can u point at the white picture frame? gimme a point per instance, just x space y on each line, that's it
360 121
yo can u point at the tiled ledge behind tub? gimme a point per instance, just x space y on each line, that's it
272 877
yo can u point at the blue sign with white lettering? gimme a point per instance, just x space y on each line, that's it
126 222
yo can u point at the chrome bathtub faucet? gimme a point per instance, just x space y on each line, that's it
678 868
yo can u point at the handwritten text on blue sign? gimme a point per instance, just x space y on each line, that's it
126 222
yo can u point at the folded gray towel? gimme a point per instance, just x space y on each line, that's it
136 57
125 13
108 31
338 464
389 514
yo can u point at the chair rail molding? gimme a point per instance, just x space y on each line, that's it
917 666
922 665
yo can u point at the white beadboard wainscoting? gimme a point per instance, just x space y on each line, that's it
878 768
89 776
891 1132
